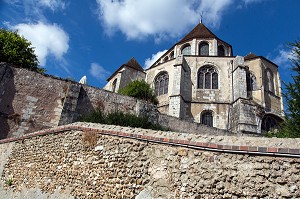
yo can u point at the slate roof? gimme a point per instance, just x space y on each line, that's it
132 63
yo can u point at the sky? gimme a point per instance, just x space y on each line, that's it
95 37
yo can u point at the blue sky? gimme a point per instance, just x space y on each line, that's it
95 37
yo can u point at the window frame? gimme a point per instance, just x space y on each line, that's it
207 78
207 118
184 47
201 45
161 83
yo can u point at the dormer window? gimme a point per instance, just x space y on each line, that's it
203 49
221 51
186 50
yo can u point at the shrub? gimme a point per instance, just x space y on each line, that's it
141 90
121 119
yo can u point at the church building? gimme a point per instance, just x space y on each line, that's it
199 79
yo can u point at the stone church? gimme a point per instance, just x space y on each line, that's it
199 79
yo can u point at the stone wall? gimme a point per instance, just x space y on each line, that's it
102 161
30 101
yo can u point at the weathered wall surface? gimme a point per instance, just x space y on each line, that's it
119 167
28 101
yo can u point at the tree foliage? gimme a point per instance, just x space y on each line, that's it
16 50
291 126
140 90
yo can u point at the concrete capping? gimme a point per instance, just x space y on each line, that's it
253 150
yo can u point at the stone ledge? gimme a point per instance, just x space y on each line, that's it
189 143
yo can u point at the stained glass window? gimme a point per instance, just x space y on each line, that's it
269 81
161 84
207 118
186 50
204 49
207 78
221 51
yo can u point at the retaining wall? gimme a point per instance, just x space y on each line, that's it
103 161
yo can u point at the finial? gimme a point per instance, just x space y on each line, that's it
201 16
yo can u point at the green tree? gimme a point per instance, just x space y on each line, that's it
16 50
291 126
140 90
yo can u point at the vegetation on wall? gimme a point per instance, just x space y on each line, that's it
121 119
16 50
141 90
291 125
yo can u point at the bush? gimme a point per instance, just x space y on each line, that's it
121 119
140 90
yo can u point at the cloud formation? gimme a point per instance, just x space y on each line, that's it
154 57
98 72
283 58
168 18
35 8
47 39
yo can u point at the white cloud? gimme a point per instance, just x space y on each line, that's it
35 8
150 61
160 18
52 4
47 39
212 10
283 57
98 71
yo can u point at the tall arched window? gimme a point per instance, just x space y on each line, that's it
114 85
221 51
172 55
269 80
251 81
161 83
207 118
203 49
207 78
186 50
166 58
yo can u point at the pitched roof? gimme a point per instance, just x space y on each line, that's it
250 56
254 56
200 31
132 63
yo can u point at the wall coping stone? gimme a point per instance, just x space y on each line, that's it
227 144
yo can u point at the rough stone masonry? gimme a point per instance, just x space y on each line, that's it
86 164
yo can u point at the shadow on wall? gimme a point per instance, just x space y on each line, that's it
8 118
84 104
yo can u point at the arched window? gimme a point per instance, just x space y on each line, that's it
251 81
166 58
114 85
203 49
221 51
172 55
186 50
269 122
269 80
161 83
207 78
207 118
